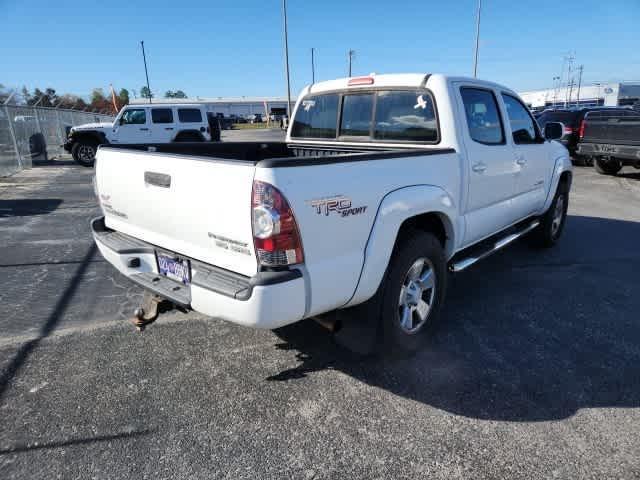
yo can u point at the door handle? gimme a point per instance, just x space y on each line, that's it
168 128
144 129
479 167
520 160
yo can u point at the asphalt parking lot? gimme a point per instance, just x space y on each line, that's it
534 373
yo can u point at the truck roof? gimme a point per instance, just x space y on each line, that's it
415 80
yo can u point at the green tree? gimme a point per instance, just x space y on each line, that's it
123 97
145 92
97 96
37 95
25 94
176 94
50 98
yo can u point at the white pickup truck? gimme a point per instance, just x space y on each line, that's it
384 184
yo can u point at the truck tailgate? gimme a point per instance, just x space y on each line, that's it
197 207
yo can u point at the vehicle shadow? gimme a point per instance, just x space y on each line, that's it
28 207
525 336
9 372
629 175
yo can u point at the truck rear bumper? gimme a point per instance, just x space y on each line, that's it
622 152
267 300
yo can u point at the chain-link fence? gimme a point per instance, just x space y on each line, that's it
29 134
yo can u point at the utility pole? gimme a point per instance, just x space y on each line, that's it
313 67
556 84
286 57
567 97
146 73
475 62
579 84
351 54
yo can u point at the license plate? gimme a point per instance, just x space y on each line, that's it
175 268
606 148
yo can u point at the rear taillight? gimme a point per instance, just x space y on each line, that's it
275 233
568 130
581 130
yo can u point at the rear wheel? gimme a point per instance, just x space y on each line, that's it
84 152
412 293
607 165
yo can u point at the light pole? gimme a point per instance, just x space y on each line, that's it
146 73
556 81
351 55
286 56
475 63
313 66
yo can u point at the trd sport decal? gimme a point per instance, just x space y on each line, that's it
339 204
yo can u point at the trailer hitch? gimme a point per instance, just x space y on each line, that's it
152 305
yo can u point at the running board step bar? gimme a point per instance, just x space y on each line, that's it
465 263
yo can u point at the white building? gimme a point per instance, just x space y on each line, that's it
609 94
239 106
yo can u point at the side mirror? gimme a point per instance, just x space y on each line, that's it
553 130
121 121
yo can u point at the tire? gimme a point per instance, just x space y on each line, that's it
552 222
417 255
84 152
607 166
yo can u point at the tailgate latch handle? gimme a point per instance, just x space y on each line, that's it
158 179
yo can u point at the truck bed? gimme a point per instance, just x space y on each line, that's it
277 154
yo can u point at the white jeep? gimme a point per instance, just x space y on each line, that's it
140 125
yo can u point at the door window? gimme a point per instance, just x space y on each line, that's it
356 115
189 115
483 119
523 127
134 116
161 115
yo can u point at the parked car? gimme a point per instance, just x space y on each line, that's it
612 139
140 124
374 196
254 118
572 121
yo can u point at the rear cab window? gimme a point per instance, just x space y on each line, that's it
189 115
316 117
398 115
355 120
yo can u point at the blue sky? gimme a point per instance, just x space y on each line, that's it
230 48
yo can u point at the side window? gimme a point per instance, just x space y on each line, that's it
134 116
483 119
161 115
356 115
316 117
189 115
405 116
522 126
